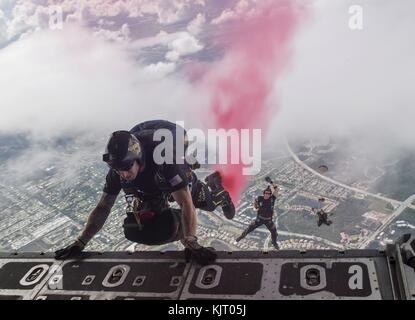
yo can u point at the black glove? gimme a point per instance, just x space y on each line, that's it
71 251
202 255
268 179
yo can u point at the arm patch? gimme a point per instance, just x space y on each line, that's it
175 180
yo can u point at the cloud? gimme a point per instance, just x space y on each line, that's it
160 70
165 12
176 44
3 27
23 17
69 80
121 35
70 83
355 83
240 10
27 16
196 25
352 82
103 8
41 158
183 45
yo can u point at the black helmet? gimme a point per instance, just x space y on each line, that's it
122 150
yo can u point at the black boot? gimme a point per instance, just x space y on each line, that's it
214 181
220 196
225 201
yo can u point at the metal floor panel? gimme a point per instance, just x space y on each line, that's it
282 275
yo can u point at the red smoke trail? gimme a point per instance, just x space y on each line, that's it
256 51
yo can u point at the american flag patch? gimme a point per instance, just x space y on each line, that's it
175 180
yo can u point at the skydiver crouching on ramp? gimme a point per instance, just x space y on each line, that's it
264 205
148 186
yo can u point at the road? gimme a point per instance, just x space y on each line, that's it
408 203
296 159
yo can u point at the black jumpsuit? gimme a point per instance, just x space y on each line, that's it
323 218
322 215
161 223
264 217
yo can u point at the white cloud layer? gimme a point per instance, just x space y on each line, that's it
68 80
196 25
71 83
357 83
241 8
27 16
184 44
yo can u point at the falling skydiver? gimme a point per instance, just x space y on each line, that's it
264 205
322 215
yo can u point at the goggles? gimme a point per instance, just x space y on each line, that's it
123 166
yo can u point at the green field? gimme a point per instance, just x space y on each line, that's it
407 215
399 180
